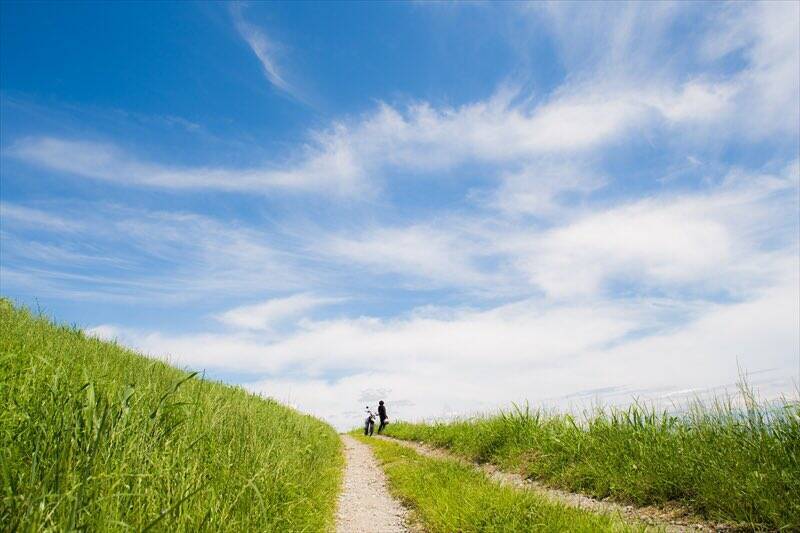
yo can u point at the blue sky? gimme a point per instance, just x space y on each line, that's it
451 206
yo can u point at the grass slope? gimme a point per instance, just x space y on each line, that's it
727 464
447 496
94 436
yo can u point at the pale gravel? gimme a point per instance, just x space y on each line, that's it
669 519
365 505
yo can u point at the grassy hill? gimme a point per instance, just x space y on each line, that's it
94 436
726 463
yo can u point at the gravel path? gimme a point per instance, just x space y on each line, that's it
365 505
671 520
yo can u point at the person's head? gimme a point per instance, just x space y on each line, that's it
380 402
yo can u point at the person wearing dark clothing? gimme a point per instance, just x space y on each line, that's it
382 415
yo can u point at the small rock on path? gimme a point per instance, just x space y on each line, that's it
365 505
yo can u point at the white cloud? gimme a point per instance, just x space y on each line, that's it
651 241
537 188
263 48
106 332
509 128
327 168
267 314
512 334
475 360
709 240
599 38
36 218
164 256
696 101
631 46
426 252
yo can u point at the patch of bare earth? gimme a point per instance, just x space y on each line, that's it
365 505
672 518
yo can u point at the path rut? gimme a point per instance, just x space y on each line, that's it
671 520
365 505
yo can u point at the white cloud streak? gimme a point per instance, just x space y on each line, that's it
263 48
423 252
35 218
327 169
270 313
164 256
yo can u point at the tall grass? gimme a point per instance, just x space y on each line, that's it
730 461
448 496
96 437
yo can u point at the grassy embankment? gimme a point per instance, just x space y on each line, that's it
448 496
726 463
94 436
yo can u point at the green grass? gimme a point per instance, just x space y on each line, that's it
726 463
96 437
447 496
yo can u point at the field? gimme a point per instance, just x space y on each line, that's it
448 496
96 437
739 465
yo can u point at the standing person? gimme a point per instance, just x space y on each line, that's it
369 423
382 415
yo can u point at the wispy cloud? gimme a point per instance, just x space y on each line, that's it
538 187
36 218
266 315
326 169
710 239
166 255
631 45
352 159
511 132
431 255
473 360
265 49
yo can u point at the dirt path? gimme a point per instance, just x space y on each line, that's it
365 505
669 519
